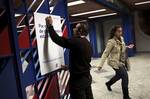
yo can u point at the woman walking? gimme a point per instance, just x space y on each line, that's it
115 51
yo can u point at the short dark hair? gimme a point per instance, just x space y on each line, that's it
113 30
83 29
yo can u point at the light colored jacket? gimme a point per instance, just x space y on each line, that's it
114 53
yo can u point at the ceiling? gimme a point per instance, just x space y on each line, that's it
89 5
131 4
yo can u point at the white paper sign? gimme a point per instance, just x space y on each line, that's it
51 56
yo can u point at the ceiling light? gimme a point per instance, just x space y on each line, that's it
139 3
102 15
75 3
89 12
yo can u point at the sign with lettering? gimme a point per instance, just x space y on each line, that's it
51 56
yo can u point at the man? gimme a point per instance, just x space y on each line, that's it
79 60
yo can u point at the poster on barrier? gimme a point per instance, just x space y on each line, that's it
51 56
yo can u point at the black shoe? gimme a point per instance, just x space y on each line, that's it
127 98
126 93
108 86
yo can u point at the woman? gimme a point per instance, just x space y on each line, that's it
115 52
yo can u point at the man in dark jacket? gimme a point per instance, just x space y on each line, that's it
79 60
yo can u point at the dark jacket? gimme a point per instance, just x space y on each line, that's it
79 57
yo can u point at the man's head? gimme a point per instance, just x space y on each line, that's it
80 30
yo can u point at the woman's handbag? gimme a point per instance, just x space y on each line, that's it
125 59
127 64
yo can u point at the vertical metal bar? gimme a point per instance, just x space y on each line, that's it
17 61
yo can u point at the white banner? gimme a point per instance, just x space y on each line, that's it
51 56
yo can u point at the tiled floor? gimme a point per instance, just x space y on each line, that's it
139 79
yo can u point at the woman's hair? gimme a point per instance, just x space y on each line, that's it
82 29
113 31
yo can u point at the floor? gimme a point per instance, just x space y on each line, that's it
139 79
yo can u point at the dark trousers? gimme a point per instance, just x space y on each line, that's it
84 93
121 73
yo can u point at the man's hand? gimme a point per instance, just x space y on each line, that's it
64 67
49 20
99 68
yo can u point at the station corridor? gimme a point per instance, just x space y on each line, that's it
139 82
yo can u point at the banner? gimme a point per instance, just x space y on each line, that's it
51 56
